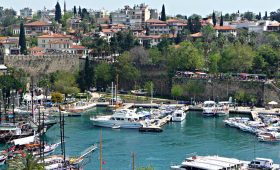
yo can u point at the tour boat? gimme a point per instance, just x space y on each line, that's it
210 162
178 115
10 131
209 108
124 118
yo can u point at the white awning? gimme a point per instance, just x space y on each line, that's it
23 141
272 103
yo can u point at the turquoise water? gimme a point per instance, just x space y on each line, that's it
197 134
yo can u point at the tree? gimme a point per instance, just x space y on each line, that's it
88 75
184 57
80 11
237 58
177 91
56 97
149 87
8 83
75 11
103 75
179 38
214 20
22 40
155 56
163 14
258 64
221 20
125 69
28 162
265 16
248 15
194 88
213 63
84 14
275 15
58 13
65 83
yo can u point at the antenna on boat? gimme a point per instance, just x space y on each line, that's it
100 152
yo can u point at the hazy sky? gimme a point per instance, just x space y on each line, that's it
186 7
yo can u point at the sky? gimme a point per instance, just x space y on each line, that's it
173 7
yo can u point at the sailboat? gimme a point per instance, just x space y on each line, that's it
61 161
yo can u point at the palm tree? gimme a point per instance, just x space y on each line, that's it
28 162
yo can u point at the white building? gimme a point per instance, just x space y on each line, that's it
26 12
54 41
158 27
134 17
226 30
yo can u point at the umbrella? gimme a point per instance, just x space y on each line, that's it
272 103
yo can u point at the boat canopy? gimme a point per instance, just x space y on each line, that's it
209 102
23 141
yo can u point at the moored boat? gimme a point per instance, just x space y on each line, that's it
124 118
178 115
209 108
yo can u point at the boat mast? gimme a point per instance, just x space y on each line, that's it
100 152
32 107
112 91
117 87
40 133
133 160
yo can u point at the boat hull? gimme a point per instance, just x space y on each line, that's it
121 124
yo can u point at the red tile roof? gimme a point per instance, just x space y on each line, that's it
159 24
224 28
54 36
35 49
59 42
37 23
77 47
154 21
109 30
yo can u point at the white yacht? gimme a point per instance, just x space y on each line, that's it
222 109
178 115
209 108
210 163
124 118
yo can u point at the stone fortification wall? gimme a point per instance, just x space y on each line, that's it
223 89
36 65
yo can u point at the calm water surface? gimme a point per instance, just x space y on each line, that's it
197 134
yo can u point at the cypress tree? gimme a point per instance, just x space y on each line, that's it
57 13
190 25
265 16
214 19
80 11
163 15
22 41
260 16
222 20
75 11
88 74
